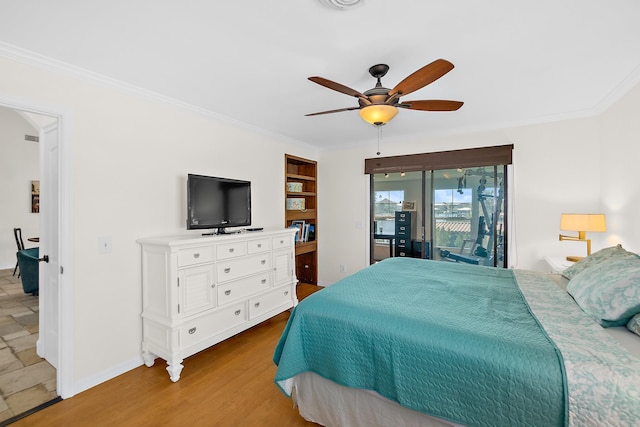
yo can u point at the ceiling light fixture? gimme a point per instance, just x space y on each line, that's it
378 114
342 4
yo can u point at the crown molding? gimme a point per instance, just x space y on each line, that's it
618 92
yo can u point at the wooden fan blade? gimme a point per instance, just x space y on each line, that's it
431 105
333 111
337 87
425 75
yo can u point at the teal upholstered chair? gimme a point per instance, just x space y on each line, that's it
29 270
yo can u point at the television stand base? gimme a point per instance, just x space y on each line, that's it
221 231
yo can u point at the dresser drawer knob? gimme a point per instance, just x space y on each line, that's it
192 331
263 262
213 286
237 313
256 305
259 245
282 242
228 292
231 250
263 281
227 270
286 293
196 256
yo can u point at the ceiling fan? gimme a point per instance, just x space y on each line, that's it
379 104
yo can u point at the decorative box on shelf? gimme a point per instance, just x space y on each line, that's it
294 187
295 203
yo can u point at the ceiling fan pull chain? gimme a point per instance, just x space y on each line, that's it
379 134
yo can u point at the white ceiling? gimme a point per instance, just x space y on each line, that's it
516 62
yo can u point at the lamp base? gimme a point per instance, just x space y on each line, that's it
574 258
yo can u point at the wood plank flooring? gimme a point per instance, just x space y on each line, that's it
230 384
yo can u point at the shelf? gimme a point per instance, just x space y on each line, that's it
303 177
305 247
301 193
304 171
306 214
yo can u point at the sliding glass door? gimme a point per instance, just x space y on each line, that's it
397 200
468 215
446 214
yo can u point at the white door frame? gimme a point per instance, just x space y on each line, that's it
65 371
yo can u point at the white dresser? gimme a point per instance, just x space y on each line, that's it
198 291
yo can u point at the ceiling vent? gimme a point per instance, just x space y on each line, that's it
342 4
31 138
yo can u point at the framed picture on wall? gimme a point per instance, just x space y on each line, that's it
409 205
35 196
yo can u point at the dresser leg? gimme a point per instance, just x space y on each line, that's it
149 358
174 370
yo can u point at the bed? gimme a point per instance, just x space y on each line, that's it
410 342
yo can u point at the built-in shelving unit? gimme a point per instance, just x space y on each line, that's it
302 173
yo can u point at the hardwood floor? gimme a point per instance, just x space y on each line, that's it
229 384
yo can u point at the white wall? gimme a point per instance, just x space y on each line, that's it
19 165
130 161
620 153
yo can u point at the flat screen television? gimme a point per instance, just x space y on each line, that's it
217 203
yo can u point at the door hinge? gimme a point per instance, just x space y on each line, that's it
178 308
61 270
178 282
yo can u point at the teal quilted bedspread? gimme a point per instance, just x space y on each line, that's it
451 340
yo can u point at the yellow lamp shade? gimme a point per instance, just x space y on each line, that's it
378 114
583 222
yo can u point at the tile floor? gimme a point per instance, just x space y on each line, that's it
26 380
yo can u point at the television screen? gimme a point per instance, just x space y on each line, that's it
214 202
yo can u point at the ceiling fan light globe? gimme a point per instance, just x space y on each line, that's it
378 114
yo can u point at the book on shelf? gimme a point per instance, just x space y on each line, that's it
306 232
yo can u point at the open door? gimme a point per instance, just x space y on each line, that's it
48 343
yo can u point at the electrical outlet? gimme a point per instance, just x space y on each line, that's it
104 245
343 268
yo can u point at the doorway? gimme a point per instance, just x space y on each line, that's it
55 342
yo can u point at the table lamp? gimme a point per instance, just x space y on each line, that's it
581 223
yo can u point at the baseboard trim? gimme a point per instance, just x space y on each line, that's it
99 378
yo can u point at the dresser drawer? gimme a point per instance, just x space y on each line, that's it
281 242
269 301
237 268
231 250
242 288
192 332
194 256
259 245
